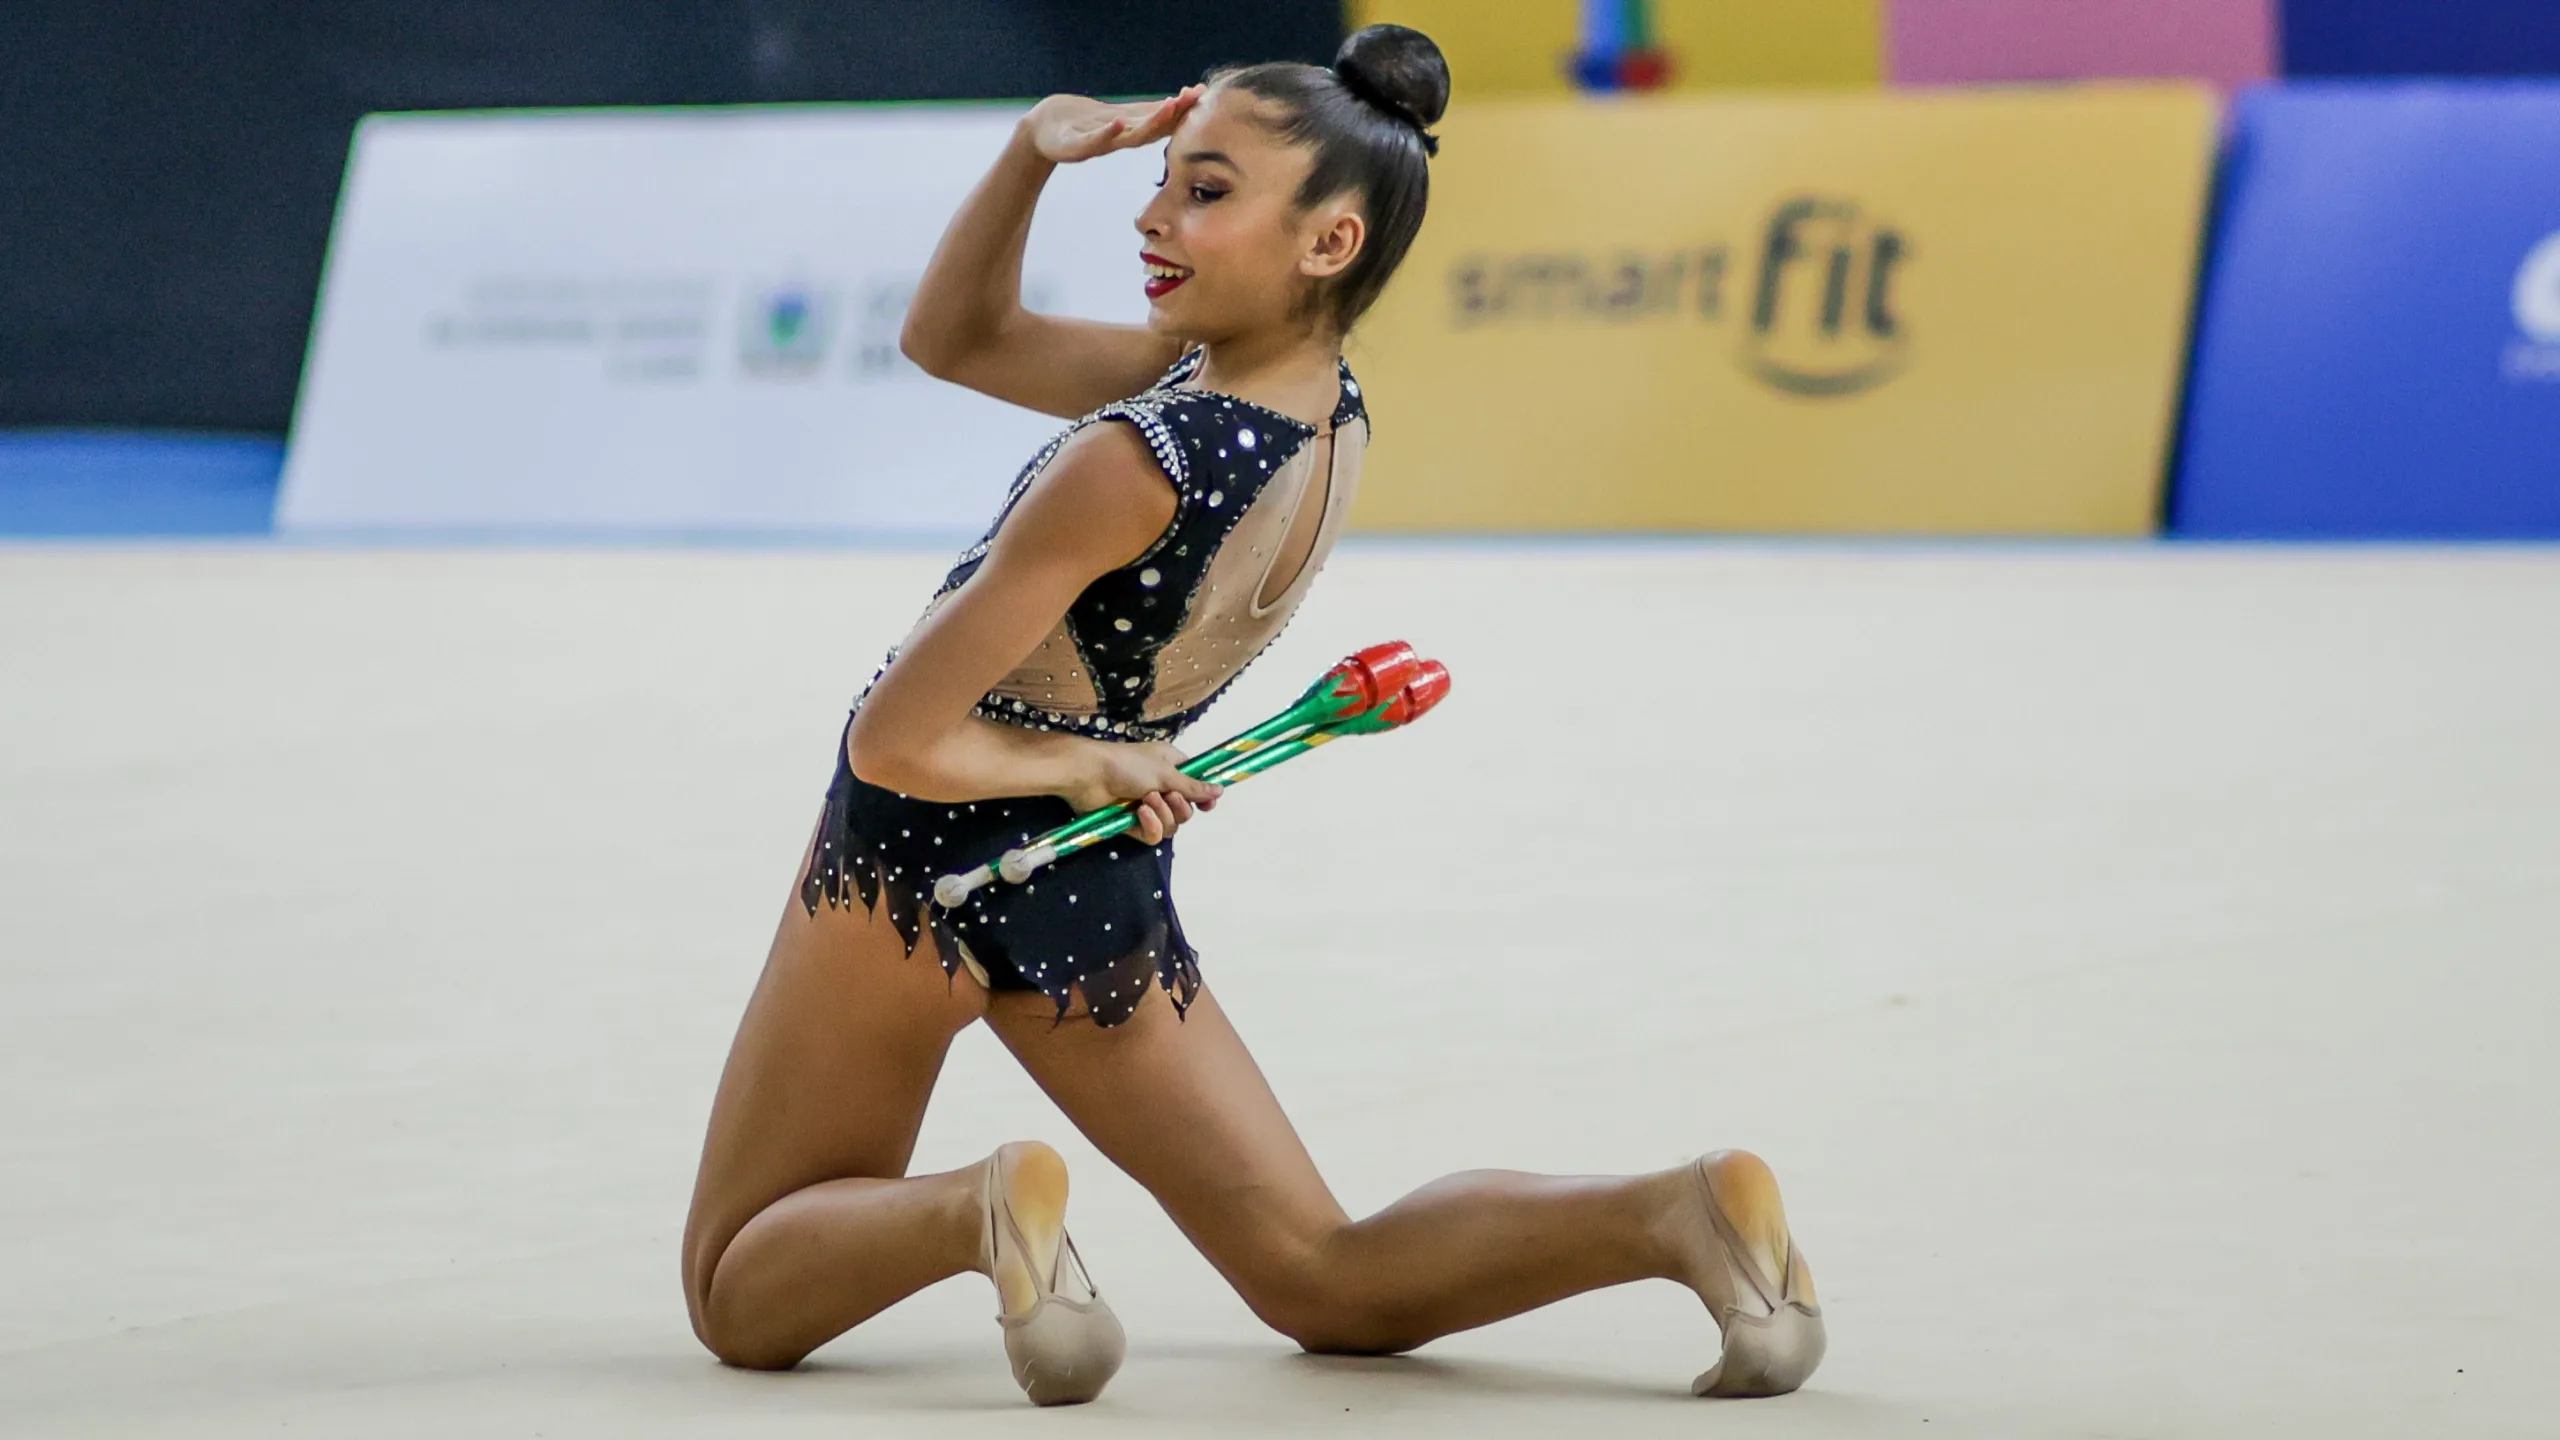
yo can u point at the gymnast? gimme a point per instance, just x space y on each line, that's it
1141 559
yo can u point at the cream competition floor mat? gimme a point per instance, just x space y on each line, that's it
2138 963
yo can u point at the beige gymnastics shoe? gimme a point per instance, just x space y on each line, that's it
1065 1344
1763 1296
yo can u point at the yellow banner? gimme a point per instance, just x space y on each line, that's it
1952 312
1522 47
1721 44
1494 47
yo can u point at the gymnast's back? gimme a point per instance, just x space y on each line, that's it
1146 648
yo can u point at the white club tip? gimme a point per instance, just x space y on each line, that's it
952 891
1017 865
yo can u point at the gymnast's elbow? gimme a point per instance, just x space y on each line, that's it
934 346
916 342
881 759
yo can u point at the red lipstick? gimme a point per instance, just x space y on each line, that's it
1163 276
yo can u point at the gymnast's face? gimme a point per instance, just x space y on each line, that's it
1228 249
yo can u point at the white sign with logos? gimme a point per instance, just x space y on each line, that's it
672 321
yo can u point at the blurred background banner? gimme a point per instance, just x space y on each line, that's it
1935 42
167 167
2379 349
1951 313
2421 37
1527 47
597 275
672 321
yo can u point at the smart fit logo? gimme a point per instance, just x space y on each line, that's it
1822 318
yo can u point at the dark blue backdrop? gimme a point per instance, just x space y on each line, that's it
168 167
2422 37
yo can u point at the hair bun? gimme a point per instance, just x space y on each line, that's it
1400 71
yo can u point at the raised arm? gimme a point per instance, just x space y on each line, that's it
1097 507
967 324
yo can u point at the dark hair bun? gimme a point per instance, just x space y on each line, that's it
1396 69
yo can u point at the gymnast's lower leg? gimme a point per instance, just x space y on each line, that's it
1210 1142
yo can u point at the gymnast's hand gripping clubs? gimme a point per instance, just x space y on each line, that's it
1381 688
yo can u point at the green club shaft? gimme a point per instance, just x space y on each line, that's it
1321 705
1279 738
1057 845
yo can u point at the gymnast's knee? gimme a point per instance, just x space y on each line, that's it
737 1346
1354 1335
730 1338
1346 1326
1326 1309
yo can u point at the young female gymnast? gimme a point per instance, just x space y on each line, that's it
1143 558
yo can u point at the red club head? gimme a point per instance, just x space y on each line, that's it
1381 671
1429 686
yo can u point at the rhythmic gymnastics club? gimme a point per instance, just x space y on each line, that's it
1358 683
1380 688
1426 691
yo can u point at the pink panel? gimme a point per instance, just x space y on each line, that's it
1936 42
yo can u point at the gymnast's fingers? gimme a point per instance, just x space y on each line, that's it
1159 119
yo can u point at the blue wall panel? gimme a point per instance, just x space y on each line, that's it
56 483
2378 352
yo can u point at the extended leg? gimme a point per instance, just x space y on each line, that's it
1210 1142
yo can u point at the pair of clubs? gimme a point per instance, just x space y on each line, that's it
1384 687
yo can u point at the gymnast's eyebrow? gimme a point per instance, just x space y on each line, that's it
1212 157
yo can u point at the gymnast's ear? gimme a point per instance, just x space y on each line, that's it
1335 233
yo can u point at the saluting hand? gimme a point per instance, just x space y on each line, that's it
1068 128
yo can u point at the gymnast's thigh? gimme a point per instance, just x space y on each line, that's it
830 1071
1178 1103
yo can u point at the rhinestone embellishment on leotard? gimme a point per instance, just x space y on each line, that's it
1123 624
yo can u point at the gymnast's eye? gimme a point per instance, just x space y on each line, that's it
1206 193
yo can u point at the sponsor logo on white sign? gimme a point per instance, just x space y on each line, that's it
786 329
672 321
